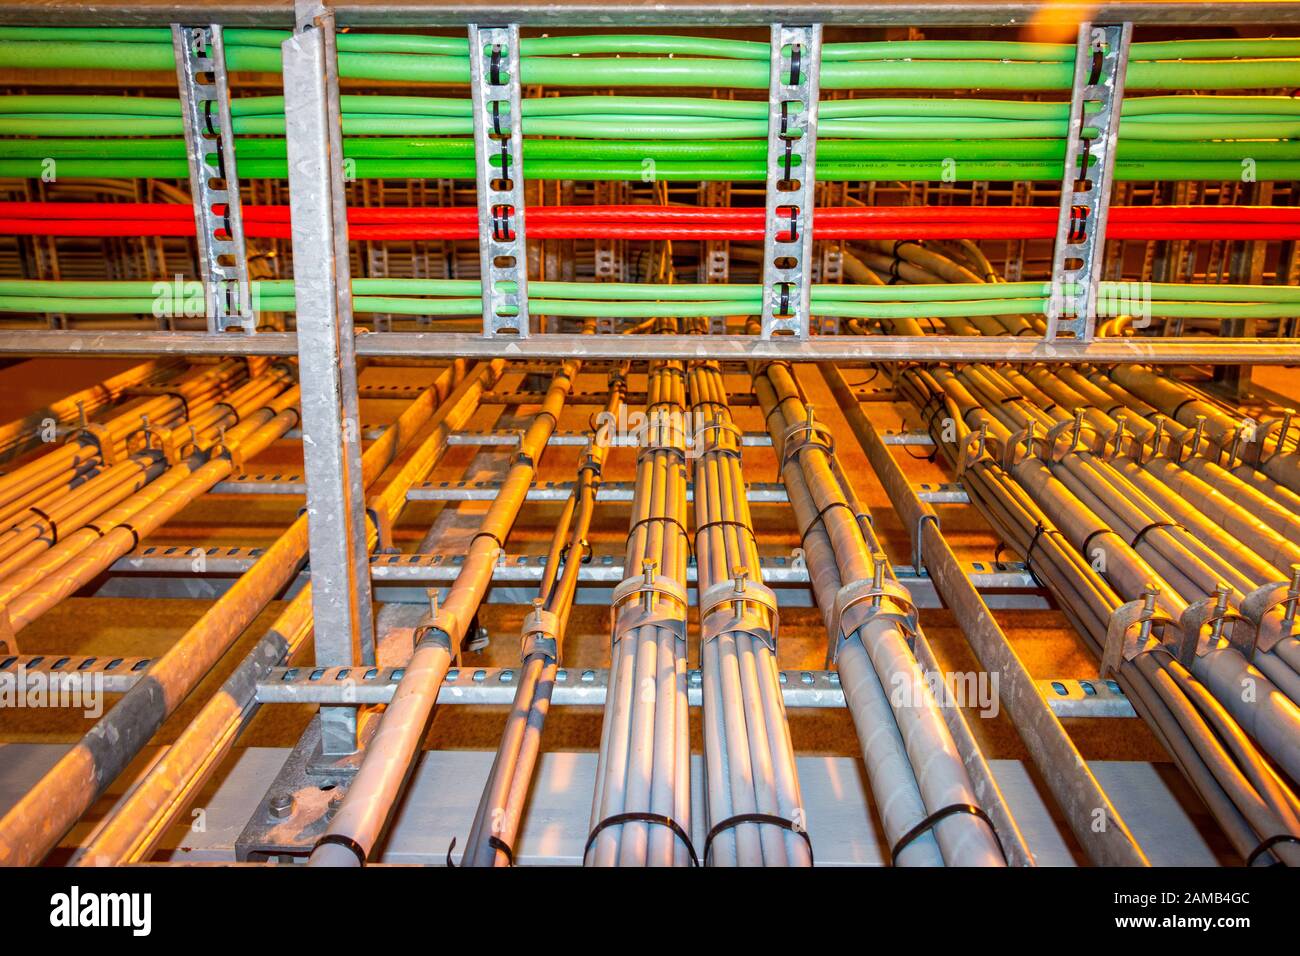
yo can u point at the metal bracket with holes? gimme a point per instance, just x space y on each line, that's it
499 171
214 177
1101 59
791 150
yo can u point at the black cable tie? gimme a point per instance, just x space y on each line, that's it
487 534
937 817
494 68
497 843
794 225
667 519
1039 530
496 117
340 839
789 160
785 297
1180 406
770 819
207 118
796 54
659 819
135 535
1268 845
722 523
1137 539
819 516
54 528
1088 540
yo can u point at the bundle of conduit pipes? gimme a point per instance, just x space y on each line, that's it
33 826
1156 517
496 823
929 808
367 809
641 809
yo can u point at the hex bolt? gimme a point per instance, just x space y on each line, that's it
281 805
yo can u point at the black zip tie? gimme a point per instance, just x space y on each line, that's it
937 817
494 69
231 409
659 819
669 520
1098 60
794 225
339 839
770 819
207 118
785 297
819 516
1039 530
94 528
501 223
796 54
496 117
789 159
722 523
1088 540
587 553
1268 845
54 528
1137 539
487 534
1180 406
497 843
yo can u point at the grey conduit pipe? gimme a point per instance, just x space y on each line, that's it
641 805
131 832
912 761
496 823
359 824
1251 809
1059 762
748 755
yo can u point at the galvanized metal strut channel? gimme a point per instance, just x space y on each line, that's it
214 177
791 149
499 172
1101 60
341 597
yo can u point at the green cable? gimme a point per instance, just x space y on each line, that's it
681 72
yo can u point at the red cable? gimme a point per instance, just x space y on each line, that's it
668 222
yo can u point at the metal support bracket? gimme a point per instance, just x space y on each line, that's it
1257 607
791 182
751 606
1128 630
214 176
342 603
499 172
649 599
1100 62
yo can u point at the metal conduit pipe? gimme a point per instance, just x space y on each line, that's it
131 832
23 434
1060 521
1104 499
1059 762
199 385
749 757
496 823
1089 602
35 823
909 751
1188 550
640 814
59 514
389 757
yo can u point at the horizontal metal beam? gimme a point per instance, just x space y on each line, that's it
760 492
842 349
657 13
586 687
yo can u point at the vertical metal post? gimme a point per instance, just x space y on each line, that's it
1100 60
499 170
214 176
794 82
340 568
